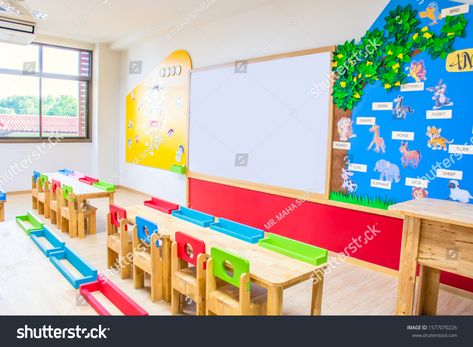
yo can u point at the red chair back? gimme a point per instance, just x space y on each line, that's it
55 185
116 215
189 248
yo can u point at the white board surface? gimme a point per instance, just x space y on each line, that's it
264 125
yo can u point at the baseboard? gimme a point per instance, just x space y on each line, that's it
19 192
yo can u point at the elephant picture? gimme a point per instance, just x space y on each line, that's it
389 172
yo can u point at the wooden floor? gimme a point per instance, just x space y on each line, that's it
30 285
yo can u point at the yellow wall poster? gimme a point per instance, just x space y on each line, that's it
157 116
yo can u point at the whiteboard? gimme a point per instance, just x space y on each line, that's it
263 123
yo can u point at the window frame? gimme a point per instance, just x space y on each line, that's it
41 75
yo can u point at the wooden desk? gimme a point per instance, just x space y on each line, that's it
2 211
438 235
83 192
270 270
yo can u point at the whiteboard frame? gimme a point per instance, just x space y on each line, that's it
281 191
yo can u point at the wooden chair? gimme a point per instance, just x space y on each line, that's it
119 243
236 296
147 258
54 205
34 189
188 281
69 213
43 195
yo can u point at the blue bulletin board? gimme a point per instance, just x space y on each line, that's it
412 138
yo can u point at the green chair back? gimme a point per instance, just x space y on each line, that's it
66 191
239 266
42 180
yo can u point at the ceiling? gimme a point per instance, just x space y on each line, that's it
125 22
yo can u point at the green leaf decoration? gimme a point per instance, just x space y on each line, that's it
358 64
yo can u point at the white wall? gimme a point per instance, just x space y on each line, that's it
277 27
99 158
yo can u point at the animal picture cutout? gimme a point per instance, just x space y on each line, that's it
436 141
417 71
401 111
432 12
378 143
409 158
440 96
345 129
157 115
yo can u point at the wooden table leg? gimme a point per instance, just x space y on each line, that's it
408 266
2 211
166 268
317 292
428 294
275 300
80 219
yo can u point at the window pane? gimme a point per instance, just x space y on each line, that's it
65 61
19 106
64 106
16 57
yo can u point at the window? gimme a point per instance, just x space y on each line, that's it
44 91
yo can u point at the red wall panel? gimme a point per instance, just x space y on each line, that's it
336 229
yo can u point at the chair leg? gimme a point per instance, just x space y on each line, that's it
92 223
175 302
125 268
53 217
112 258
40 207
64 225
156 287
138 277
47 210
34 201
200 308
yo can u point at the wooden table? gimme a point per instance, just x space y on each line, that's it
438 235
83 192
270 270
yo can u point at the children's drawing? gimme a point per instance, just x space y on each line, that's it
345 129
440 95
419 193
417 71
348 184
130 143
179 153
400 111
389 172
130 124
457 194
170 132
432 12
378 141
435 140
409 157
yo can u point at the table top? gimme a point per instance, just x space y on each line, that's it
437 210
267 268
80 188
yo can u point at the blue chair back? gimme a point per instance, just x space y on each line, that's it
146 230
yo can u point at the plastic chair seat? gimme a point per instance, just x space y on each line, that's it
227 298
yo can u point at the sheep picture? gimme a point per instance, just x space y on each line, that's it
457 194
